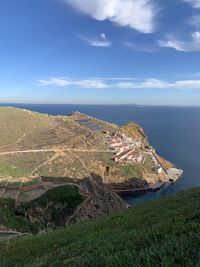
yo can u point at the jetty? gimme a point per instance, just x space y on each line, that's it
174 174
157 186
135 191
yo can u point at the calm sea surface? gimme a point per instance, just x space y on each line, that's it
173 132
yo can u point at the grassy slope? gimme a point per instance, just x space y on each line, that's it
28 130
15 122
162 233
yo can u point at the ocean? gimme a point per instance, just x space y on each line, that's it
173 131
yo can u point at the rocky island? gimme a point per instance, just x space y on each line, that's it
60 170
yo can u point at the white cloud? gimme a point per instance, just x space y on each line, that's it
191 45
148 83
56 81
122 83
186 84
139 47
159 84
119 79
64 82
101 41
136 14
194 3
98 84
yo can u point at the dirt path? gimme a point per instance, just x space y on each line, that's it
81 206
44 163
18 140
53 150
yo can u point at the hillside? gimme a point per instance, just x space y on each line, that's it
162 233
39 153
66 146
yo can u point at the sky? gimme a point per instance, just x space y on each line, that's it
143 52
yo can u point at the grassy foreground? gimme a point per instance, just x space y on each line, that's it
163 233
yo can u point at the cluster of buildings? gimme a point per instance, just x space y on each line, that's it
124 148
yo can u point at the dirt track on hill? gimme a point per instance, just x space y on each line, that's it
54 150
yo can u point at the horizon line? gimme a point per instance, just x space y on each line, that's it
110 104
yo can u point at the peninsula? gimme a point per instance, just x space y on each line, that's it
59 170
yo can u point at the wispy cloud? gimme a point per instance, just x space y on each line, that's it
196 74
64 82
98 84
140 48
115 78
56 81
191 45
136 14
101 40
122 83
159 84
194 3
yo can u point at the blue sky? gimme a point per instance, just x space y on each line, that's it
100 51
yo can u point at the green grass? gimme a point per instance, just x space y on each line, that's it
30 183
131 170
162 233
10 220
54 207
56 180
21 165
149 164
64 194
68 195
9 171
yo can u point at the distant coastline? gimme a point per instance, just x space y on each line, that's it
93 104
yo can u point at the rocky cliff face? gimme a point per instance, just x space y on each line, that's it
101 200
135 131
93 199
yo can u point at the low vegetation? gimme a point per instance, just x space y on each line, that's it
65 198
52 209
162 233
64 194
131 170
9 220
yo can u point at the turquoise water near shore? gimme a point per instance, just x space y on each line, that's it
173 131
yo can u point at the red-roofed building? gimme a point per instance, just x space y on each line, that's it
121 155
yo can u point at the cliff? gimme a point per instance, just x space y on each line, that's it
134 130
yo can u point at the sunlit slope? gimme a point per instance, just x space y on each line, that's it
24 129
72 146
